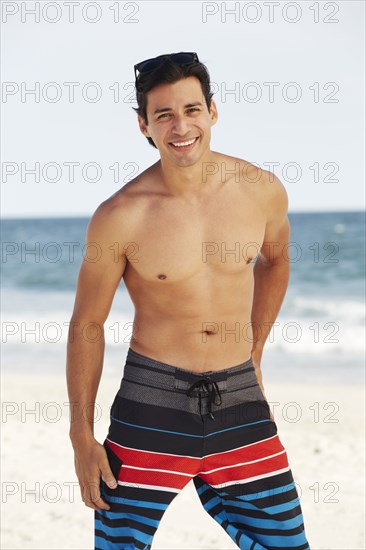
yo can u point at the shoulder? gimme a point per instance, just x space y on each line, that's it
274 196
264 186
119 212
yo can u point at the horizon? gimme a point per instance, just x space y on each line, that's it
86 216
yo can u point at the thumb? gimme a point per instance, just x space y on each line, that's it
108 477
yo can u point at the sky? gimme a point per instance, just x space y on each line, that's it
288 77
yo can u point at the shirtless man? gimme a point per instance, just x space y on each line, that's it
184 235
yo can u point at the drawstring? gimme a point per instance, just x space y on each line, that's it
211 387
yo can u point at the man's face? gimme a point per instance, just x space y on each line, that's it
177 113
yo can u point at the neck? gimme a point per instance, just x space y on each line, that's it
188 181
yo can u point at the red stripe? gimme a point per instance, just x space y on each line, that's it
192 466
161 479
246 471
144 459
262 449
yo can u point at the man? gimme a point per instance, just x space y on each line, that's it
191 404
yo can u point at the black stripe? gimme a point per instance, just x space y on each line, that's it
127 522
272 500
273 482
273 532
174 420
237 538
126 540
254 487
148 495
277 499
259 514
301 547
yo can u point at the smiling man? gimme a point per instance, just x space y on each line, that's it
200 237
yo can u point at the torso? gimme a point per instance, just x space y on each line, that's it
190 269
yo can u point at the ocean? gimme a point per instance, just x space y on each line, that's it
319 332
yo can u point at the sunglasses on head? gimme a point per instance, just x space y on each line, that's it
181 58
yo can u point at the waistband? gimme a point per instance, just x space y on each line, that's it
146 369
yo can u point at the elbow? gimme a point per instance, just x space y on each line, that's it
89 328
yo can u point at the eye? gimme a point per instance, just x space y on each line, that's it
192 109
163 115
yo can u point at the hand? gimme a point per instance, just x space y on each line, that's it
91 462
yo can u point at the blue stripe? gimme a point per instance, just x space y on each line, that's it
282 541
242 505
267 493
246 543
267 523
135 517
186 434
245 540
123 532
141 503
252 496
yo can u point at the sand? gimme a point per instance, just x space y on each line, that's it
321 426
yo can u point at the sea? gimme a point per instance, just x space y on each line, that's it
319 333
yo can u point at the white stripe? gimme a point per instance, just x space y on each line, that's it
240 481
194 457
153 487
124 466
242 463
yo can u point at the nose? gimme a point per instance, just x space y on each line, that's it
180 126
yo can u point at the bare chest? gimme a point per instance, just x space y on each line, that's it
176 243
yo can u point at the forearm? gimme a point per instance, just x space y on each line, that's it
85 353
270 284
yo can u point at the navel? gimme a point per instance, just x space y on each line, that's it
161 276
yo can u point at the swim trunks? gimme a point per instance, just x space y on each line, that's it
168 426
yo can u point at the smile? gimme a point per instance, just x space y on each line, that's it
184 145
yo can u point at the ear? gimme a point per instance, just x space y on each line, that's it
213 113
143 126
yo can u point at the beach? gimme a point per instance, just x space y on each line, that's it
313 369
320 424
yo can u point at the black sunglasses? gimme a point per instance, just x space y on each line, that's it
181 58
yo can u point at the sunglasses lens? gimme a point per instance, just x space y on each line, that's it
183 58
180 58
148 65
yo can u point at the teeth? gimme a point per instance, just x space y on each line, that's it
184 143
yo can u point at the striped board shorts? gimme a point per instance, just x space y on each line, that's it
169 425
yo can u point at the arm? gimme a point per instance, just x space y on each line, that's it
96 286
272 269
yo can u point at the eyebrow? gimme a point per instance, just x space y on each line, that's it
164 109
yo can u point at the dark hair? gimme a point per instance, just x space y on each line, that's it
169 72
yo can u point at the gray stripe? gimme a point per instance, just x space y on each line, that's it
178 400
162 375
